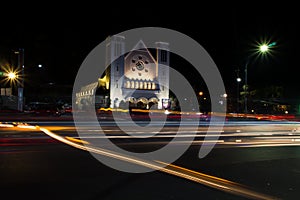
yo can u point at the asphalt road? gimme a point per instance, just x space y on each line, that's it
262 156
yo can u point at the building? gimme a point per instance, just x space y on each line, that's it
135 78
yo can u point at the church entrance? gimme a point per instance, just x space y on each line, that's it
142 103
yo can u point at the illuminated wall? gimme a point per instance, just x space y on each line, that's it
138 75
140 64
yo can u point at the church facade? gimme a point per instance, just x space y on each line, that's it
137 78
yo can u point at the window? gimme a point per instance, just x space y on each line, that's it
153 86
163 56
117 49
136 85
127 84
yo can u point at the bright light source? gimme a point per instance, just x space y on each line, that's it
40 66
200 93
11 75
224 95
238 79
264 48
167 112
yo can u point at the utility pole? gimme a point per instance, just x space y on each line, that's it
262 49
246 87
20 54
238 80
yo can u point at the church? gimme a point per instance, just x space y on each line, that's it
138 78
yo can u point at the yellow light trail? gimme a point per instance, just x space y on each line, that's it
77 140
215 182
211 181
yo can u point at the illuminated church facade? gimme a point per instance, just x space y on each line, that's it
137 78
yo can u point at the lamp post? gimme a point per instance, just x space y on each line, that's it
238 80
20 54
246 87
262 49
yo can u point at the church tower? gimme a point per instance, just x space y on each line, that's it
163 63
115 50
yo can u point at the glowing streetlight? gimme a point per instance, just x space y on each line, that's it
12 75
238 80
262 49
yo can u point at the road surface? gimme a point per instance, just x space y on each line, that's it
263 156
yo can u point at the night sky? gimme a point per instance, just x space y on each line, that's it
60 38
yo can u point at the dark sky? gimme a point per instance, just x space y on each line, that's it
60 38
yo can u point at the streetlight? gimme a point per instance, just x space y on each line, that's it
11 76
238 80
20 54
262 49
200 100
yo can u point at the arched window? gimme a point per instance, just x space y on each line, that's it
141 85
127 84
136 85
153 86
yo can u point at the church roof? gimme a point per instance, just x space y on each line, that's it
140 46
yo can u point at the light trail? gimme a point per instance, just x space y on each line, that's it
211 181
161 135
6 125
215 182
264 144
184 122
